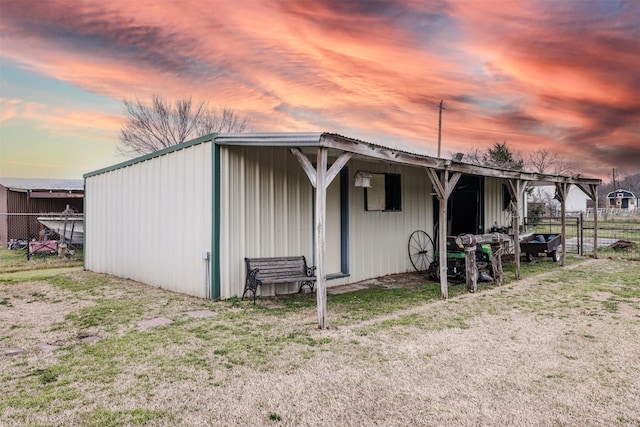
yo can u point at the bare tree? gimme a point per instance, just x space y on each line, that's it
543 161
160 125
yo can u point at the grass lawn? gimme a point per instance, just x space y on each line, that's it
561 346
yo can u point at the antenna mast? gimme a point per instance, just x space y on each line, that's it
440 128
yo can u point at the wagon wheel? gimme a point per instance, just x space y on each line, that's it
421 250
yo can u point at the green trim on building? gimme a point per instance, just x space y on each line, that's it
215 226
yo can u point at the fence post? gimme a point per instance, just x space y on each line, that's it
581 234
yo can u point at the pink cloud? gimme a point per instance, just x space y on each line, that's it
513 71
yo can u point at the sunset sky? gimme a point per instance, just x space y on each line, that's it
561 74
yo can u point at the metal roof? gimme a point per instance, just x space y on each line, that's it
357 147
620 193
43 184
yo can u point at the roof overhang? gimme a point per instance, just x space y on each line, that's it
337 144
367 151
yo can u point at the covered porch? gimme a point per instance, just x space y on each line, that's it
322 156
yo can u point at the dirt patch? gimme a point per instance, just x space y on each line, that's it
153 323
36 308
546 350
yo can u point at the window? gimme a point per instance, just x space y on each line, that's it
385 193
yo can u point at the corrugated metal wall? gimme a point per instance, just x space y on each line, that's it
151 221
493 204
4 219
379 240
265 211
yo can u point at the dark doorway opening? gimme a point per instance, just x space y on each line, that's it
465 209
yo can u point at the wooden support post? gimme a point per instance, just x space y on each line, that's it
320 230
320 178
516 189
442 238
592 192
443 186
471 270
496 262
562 190
496 241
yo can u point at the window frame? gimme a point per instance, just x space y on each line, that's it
392 194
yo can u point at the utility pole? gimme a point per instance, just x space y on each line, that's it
440 128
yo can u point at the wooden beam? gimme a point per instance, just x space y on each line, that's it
306 165
437 186
320 233
589 190
337 166
452 183
398 156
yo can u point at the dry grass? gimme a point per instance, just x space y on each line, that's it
558 348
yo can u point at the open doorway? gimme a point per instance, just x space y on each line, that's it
465 209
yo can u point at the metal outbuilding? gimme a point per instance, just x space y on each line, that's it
184 218
22 199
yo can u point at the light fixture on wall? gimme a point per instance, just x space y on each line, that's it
362 179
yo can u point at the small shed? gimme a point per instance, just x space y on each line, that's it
622 199
23 199
186 217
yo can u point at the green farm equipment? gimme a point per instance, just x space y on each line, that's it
425 257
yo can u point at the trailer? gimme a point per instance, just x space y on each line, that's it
536 244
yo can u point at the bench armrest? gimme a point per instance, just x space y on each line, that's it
311 271
251 275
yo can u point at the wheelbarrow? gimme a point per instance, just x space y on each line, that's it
536 244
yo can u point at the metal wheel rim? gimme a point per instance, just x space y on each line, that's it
421 250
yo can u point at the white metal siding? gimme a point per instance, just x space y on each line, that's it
378 241
494 215
493 203
265 211
151 221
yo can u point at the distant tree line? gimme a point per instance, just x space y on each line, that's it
500 155
542 161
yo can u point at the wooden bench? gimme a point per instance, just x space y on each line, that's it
278 270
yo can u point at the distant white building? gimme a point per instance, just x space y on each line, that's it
622 199
576 198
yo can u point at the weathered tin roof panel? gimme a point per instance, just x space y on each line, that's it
42 184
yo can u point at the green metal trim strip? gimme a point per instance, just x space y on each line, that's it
215 226
344 221
155 154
